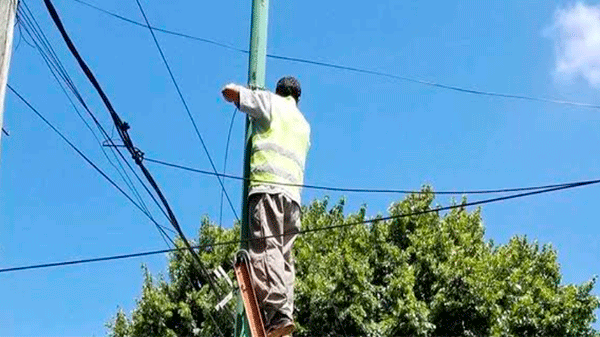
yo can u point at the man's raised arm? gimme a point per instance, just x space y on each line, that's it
256 103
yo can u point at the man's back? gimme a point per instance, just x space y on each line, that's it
279 149
280 141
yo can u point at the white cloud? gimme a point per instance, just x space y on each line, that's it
576 35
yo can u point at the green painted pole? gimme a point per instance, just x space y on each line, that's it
256 80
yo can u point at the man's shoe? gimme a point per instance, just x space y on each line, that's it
281 328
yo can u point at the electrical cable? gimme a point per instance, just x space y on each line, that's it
162 55
80 153
54 64
223 45
141 207
137 155
373 222
82 261
187 109
225 161
363 190
438 85
355 69
57 70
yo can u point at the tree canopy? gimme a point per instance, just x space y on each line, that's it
428 275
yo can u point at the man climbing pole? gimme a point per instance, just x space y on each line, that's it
280 142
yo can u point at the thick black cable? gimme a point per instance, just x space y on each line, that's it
81 154
210 281
355 69
225 162
187 109
364 190
85 105
122 129
57 70
161 229
55 65
373 221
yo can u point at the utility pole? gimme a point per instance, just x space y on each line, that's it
256 79
8 10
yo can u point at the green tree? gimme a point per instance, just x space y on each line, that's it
426 275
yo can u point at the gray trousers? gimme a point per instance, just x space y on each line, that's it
271 258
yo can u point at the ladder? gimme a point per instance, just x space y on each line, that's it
255 327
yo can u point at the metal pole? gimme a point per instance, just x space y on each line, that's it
8 9
256 80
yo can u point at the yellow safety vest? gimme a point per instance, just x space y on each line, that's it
279 149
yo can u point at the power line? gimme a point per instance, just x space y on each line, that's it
437 85
137 155
365 190
82 261
54 64
187 109
87 71
373 221
81 154
216 43
31 27
353 69
44 48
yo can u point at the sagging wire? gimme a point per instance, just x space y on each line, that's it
122 129
373 222
225 162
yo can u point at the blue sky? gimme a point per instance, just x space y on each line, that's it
366 131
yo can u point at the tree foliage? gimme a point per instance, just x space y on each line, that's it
427 275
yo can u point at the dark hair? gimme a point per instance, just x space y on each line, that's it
289 86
